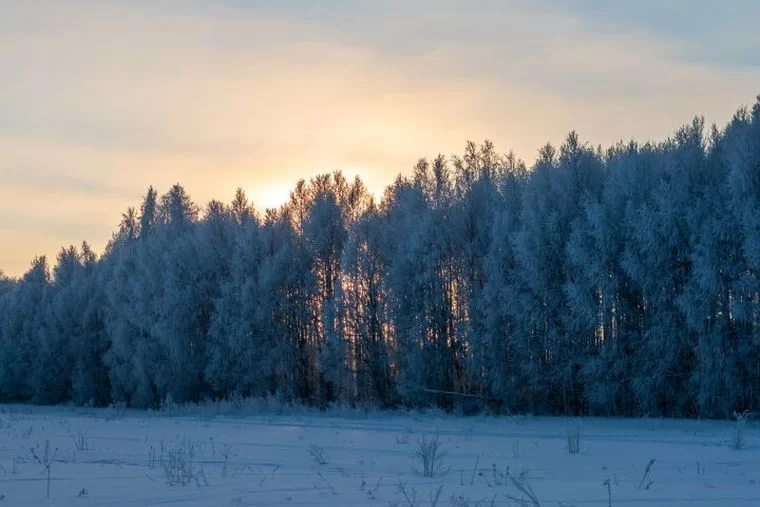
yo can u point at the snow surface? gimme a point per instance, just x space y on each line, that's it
270 459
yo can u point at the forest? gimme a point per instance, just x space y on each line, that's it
620 281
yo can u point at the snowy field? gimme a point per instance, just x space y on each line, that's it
184 457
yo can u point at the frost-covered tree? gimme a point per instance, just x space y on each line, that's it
61 321
502 349
552 201
659 259
363 313
22 326
90 382
237 346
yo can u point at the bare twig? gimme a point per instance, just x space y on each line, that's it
318 454
410 496
524 488
327 482
435 497
474 471
646 475
608 483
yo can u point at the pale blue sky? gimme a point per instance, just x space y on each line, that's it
101 99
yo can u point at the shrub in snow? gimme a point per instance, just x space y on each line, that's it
430 456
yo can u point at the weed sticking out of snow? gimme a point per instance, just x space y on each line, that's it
527 496
573 437
608 485
737 440
646 481
178 463
318 454
80 439
46 461
226 451
409 494
431 456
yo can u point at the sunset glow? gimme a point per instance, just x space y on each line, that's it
268 196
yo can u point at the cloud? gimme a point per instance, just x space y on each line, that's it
717 34
102 99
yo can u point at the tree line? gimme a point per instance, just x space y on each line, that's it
621 281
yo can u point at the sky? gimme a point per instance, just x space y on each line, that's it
99 100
